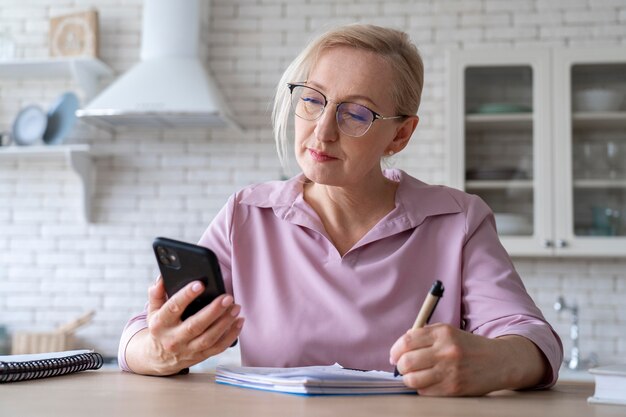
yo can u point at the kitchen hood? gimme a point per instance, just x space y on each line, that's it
170 87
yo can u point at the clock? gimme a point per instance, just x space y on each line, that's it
74 34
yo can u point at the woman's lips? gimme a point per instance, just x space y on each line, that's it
319 156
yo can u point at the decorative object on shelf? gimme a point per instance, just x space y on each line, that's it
61 118
74 34
497 108
29 126
598 99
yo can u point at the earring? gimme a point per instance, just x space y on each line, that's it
390 153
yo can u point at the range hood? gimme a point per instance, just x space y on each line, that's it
170 87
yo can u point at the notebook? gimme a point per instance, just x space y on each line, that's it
43 365
610 384
312 380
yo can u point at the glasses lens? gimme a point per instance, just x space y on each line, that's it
354 119
307 103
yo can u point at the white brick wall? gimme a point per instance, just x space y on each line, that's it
151 183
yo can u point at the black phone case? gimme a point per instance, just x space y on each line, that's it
196 263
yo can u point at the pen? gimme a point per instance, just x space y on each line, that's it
427 310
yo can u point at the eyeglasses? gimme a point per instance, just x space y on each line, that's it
352 119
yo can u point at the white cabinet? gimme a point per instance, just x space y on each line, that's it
553 174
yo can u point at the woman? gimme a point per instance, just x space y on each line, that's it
333 264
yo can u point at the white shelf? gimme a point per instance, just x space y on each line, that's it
602 120
600 183
499 184
77 157
499 121
84 70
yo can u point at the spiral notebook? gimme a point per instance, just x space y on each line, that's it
43 365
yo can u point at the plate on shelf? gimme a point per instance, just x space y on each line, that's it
61 118
494 174
497 108
29 125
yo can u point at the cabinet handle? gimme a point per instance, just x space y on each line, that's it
547 243
560 243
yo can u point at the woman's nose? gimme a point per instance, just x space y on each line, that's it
326 129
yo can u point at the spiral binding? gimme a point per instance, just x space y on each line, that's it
21 371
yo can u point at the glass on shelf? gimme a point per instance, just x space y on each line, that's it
599 160
613 159
600 212
588 160
606 221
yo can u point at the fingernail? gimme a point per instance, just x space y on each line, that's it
240 323
226 301
235 311
391 361
197 287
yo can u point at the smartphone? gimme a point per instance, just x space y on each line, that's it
181 263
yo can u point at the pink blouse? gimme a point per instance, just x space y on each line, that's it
305 304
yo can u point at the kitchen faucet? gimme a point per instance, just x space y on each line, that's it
575 362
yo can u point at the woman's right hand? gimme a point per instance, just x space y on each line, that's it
171 344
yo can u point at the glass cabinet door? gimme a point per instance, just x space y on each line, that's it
503 156
592 127
499 144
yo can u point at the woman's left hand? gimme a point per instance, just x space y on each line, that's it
441 360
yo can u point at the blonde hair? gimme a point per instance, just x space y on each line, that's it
394 45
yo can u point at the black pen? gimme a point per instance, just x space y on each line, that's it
427 310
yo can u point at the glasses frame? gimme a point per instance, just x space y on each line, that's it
376 116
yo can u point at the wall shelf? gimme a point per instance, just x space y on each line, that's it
499 184
84 70
77 157
600 183
601 120
507 121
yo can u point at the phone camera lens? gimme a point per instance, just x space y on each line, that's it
161 251
164 259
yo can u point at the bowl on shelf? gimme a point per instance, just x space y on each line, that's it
513 224
598 99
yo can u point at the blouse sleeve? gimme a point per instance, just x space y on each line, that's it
495 301
217 238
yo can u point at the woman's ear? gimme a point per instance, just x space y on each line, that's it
403 135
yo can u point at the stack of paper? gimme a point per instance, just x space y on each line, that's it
610 384
312 380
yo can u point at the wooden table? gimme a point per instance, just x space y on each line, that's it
115 393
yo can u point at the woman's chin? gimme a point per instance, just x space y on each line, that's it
323 176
